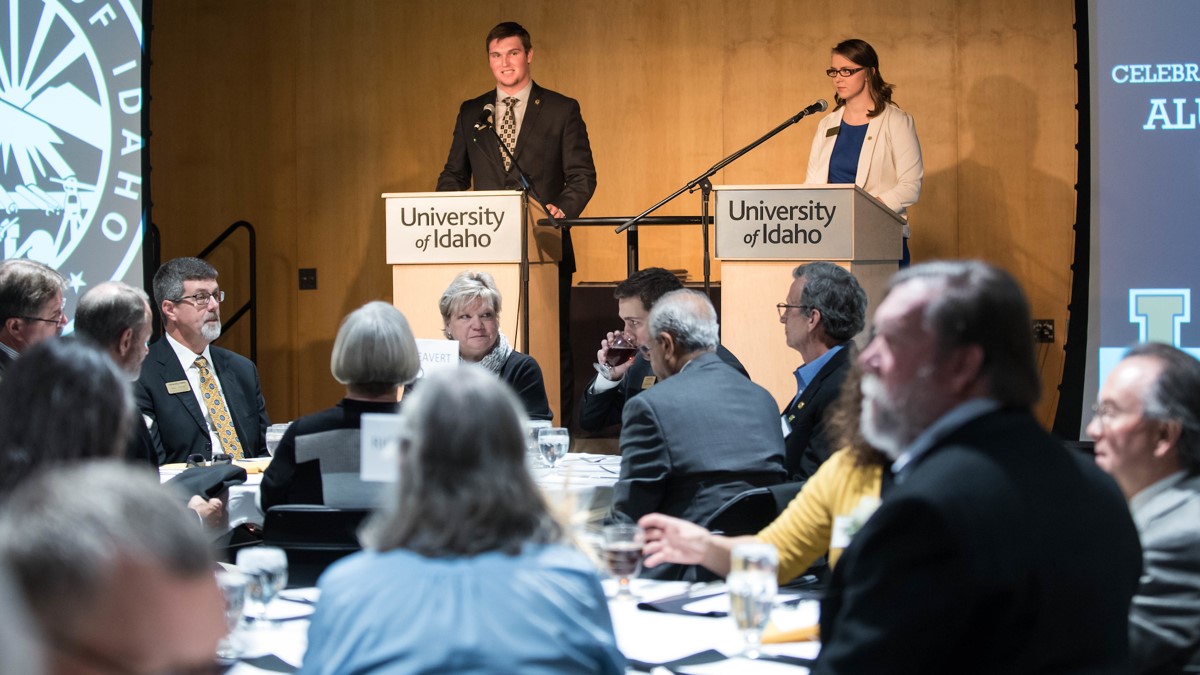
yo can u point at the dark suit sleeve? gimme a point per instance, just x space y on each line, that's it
456 175
645 462
908 578
145 406
579 172
264 420
603 409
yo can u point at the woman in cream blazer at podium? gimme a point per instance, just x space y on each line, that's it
470 309
867 140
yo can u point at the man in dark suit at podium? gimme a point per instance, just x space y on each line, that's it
545 132
825 309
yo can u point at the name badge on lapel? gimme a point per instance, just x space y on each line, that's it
833 132
178 387
648 381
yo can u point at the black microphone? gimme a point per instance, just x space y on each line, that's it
485 118
819 106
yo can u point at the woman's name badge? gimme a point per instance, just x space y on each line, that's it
178 387
648 381
840 538
833 132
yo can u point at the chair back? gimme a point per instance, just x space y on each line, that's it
340 457
745 513
314 537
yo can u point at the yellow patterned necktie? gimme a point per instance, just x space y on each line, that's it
218 411
508 129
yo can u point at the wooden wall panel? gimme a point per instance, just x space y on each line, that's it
298 115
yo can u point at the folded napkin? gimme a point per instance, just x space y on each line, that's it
774 636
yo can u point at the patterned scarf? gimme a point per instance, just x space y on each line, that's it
499 354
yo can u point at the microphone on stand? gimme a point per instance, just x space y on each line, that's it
485 118
819 106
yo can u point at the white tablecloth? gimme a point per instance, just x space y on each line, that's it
652 637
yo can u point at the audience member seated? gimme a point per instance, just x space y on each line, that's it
998 550
703 434
64 401
604 399
471 314
825 309
822 518
116 317
318 459
1147 434
115 574
196 398
31 307
465 571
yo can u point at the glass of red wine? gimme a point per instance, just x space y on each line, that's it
623 553
621 349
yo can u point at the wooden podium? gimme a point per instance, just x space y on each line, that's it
432 236
763 232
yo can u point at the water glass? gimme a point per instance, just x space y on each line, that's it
623 544
752 585
532 455
266 571
274 435
233 587
553 443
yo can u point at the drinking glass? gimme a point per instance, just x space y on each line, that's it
266 570
623 553
532 455
621 349
752 585
233 587
274 435
553 443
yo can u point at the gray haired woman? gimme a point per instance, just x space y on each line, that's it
374 354
471 314
465 570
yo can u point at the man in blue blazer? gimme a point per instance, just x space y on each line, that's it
998 550
1147 433
183 370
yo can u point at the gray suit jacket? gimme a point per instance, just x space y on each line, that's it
1164 621
695 440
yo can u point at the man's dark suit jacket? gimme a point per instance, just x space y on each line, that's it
602 410
1000 552
5 362
809 444
695 440
179 429
552 148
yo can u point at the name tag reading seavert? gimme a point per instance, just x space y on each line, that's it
178 387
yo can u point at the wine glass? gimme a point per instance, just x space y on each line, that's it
553 443
621 348
623 553
233 587
752 585
266 570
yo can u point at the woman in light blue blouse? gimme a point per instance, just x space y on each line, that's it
465 572
867 140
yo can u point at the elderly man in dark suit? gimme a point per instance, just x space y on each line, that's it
704 433
196 398
604 399
1147 433
544 131
998 550
826 307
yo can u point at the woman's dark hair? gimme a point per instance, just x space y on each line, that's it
863 54
844 416
61 402
464 488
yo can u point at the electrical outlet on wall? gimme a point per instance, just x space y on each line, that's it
1043 330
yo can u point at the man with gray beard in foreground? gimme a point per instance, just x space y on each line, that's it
998 550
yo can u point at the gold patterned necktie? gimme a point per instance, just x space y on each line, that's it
508 129
218 411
